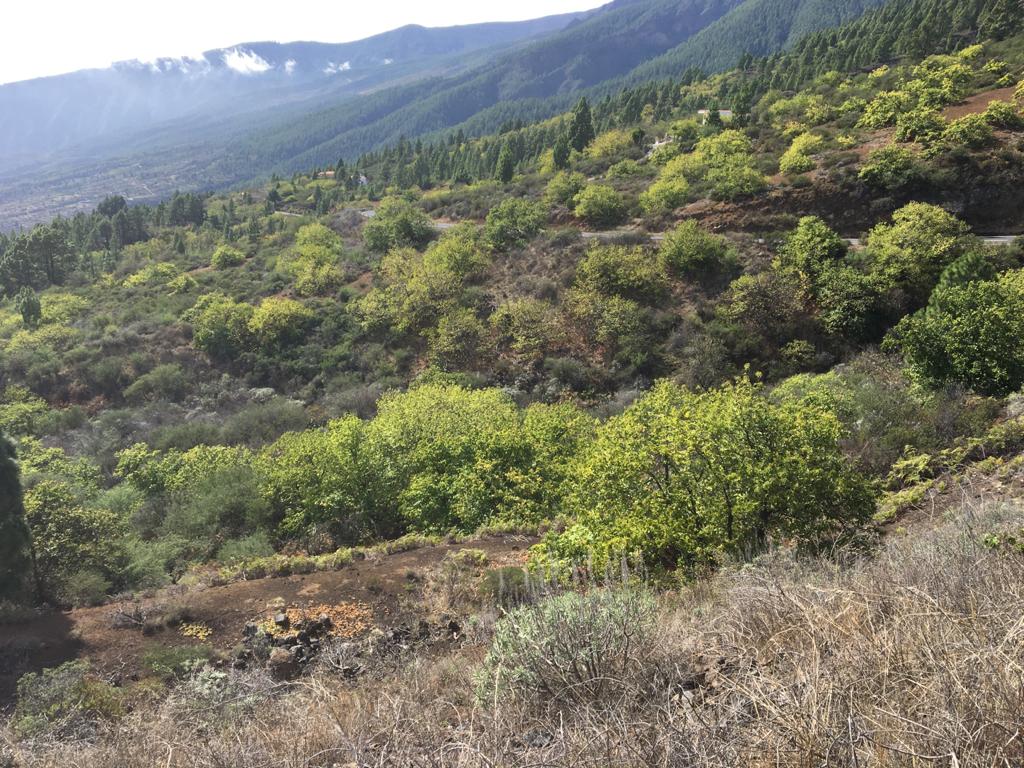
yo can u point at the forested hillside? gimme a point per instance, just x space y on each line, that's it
714 380
752 29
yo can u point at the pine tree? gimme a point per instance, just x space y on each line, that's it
15 540
506 167
562 151
581 126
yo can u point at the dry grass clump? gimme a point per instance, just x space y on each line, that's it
914 657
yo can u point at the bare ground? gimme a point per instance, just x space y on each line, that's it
385 584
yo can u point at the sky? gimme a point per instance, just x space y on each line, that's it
43 37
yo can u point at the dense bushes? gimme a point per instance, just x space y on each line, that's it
513 223
397 224
969 334
909 255
690 251
434 459
226 257
76 546
601 206
797 159
314 260
684 478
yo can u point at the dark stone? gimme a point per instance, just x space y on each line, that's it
283 665
282 621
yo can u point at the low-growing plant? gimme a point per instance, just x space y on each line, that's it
588 648
66 702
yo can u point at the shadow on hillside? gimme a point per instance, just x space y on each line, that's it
31 646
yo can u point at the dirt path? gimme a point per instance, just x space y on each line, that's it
977 103
387 585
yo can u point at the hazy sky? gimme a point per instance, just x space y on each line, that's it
43 37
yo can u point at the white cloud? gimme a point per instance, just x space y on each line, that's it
33 45
245 62
289 66
333 69
388 61
188 65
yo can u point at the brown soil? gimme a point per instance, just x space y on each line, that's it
378 589
978 103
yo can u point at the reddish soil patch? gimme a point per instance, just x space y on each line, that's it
384 585
978 103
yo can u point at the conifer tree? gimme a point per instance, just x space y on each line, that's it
562 151
581 126
15 540
506 165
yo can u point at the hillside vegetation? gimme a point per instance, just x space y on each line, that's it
731 349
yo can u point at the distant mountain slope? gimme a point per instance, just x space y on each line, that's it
758 27
54 113
605 46
481 101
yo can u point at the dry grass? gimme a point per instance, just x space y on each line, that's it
912 658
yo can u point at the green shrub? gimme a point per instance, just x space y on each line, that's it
528 326
911 253
563 188
891 168
664 196
971 131
75 545
165 382
683 478
87 587
220 325
507 586
226 256
314 260
456 340
601 206
512 223
173 662
617 270
397 224
278 322
811 248
735 180
235 551
591 648
15 540
626 169
969 334
922 124
691 251
1004 115
67 702
797 159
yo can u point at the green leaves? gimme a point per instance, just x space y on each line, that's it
971 333
683 478
397 223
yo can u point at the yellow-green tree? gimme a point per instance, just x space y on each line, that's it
682 478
